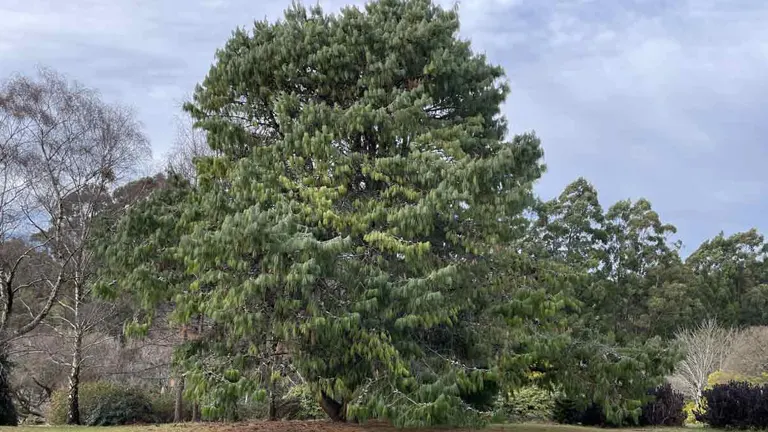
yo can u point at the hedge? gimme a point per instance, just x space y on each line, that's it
737 405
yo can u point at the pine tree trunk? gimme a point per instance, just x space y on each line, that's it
178 408
196 415
272 406
336 411
270 349
73 396
196 412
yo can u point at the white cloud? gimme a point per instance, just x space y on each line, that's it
644 97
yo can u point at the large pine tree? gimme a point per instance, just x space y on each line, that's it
347 225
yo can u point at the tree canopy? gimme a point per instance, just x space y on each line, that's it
364 221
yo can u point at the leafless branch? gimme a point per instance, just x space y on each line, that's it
707 346
190 144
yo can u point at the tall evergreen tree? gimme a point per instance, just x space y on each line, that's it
638 254
606 359
572 226
730 275
349 222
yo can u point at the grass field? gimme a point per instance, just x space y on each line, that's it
318 426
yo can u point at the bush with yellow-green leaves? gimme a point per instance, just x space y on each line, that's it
526 404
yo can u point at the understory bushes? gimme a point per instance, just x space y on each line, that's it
164 407
738 405
300 403
725 391
126 406
570 411
527 404
104 404
297 403
725 377
666 408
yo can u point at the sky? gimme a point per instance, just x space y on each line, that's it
659 99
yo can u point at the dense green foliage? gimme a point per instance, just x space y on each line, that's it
120 408
300 403
664 408
612 262
572 412
731 278
350 218
526 404
365 224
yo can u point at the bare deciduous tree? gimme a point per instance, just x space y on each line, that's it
749 356
43 361
706 347
11 181
69 150
190 143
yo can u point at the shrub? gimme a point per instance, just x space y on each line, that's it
251 409
103 403
527 404
482 398
570 411
567 410
164 407
666 409
739 405
90 392
57 409
124 406
300 403
690 415
724 377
